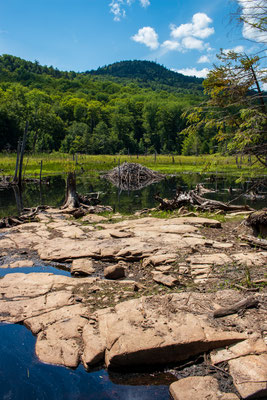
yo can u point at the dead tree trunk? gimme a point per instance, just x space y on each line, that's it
15 179
22 153
72 198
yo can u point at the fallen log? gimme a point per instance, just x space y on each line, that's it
179 200
191 198
29 215
255 242
242 305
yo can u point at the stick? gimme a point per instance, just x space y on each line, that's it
241 305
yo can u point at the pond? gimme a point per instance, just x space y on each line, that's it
122 201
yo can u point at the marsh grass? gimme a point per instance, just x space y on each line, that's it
60 163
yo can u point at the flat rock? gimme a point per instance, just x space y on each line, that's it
166 280
214 259
59 352
164 268
93 218
118 234
200 388
251 259
159 259
247 347
250 375
177 229
18 264
83 266
152 331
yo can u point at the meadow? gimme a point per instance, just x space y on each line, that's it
59 163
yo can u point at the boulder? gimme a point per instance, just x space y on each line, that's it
199 388
116 271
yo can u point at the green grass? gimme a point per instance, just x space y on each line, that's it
59 163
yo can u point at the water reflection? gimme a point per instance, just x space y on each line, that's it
124 201
23 377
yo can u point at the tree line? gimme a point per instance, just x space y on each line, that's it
75 112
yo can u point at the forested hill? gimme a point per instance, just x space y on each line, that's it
149 73
145 74
137 107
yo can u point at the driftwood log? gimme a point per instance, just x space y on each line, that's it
242 305
201 203
254 241
29 215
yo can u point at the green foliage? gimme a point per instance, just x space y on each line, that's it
89 112
235 114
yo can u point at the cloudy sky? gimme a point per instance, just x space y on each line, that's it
183 35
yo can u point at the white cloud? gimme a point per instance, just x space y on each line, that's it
236 49
251 12
203 59
147 36
145 3
117 7
197 28
192 43
171 45
117 10
193 72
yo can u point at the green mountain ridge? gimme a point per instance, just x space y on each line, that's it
148 72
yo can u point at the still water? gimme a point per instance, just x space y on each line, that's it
23 377
123 201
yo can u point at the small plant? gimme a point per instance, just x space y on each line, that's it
248 281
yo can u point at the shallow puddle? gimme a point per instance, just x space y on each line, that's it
24 377
29 270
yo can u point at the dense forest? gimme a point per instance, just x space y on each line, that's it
128 107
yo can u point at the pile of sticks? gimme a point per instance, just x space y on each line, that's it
132 176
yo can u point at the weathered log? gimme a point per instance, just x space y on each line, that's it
179 200
253 241
29 215
208 204
242 305
192 198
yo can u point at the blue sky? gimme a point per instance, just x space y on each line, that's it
79 35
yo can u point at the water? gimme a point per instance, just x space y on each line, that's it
29 270
123 201
24 377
